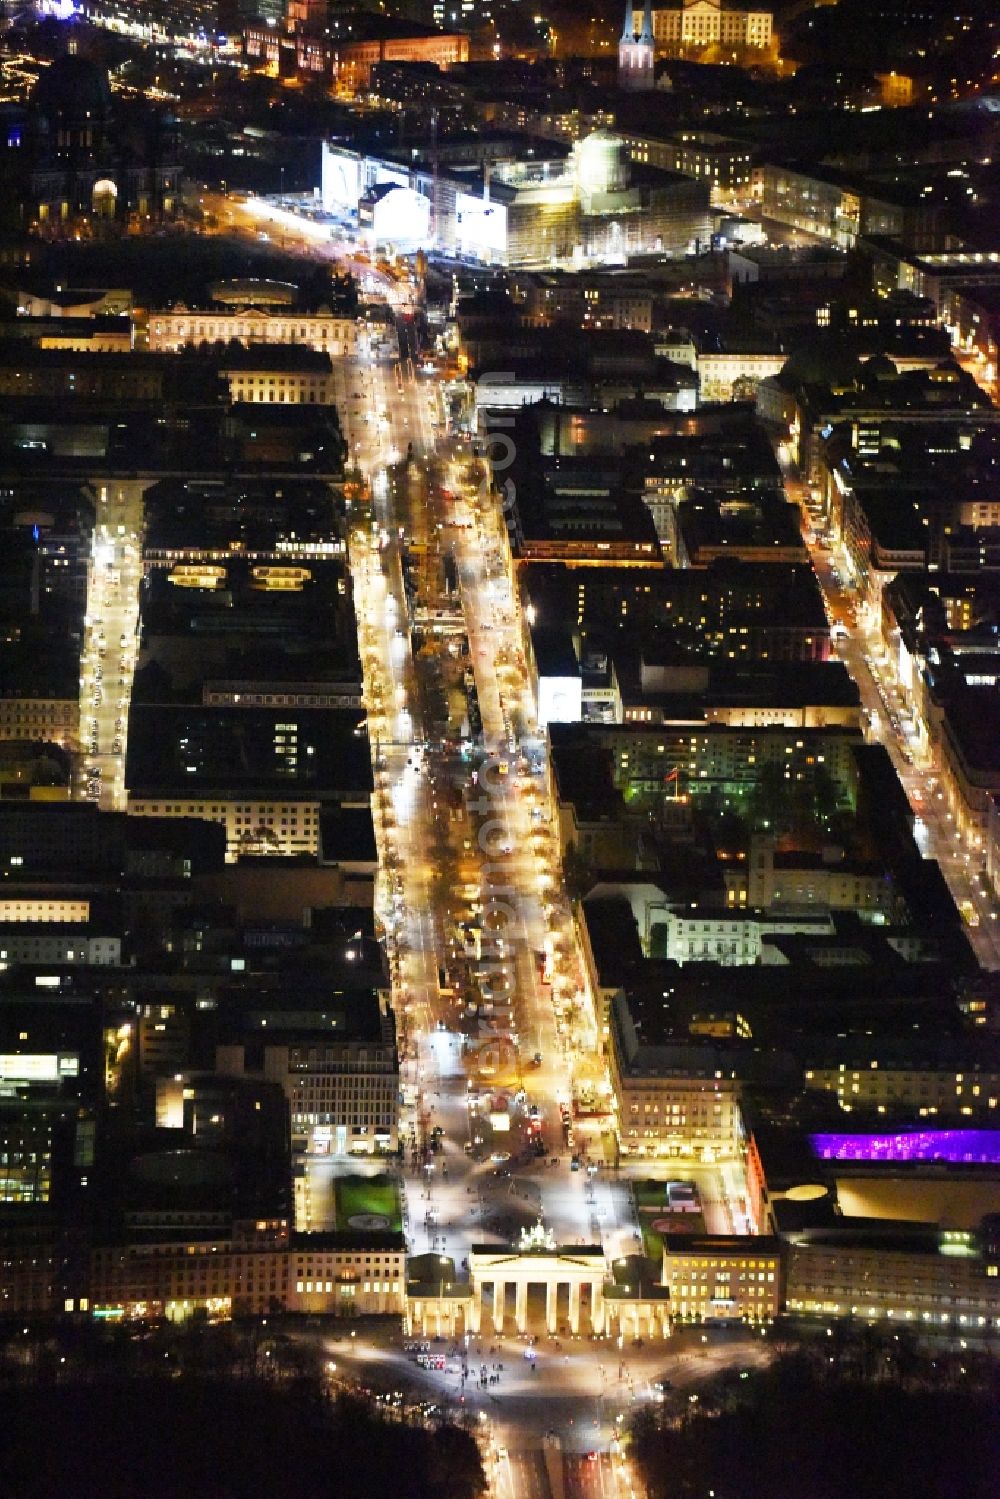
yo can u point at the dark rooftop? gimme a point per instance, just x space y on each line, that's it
258 356
347 834
973 721
178 750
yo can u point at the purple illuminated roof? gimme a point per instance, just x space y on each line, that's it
976 1146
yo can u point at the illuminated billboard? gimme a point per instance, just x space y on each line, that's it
341 181
402 218
37 1067
560 700
481 227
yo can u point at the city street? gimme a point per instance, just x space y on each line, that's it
478 932
467 1182
862 651
108 657
561 1421
266 218
455 1198
531 487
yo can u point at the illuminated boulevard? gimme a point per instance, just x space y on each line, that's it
458 838
107 660
888 720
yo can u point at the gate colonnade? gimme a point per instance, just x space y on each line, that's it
499 1280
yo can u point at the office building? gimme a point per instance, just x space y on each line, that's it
723 1279
334 1056
901 1274
668 1100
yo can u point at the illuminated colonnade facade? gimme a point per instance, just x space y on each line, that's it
499 1281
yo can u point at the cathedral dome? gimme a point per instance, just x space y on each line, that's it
71 90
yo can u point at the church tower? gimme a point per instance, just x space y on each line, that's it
636 68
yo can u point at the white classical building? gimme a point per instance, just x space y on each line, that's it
733 375
306 379
691 24
172 328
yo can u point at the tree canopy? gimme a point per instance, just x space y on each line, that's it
202 1438
891 1424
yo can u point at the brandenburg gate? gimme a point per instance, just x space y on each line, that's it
581 1269
504 1274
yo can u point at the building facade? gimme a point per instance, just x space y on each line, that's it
31 943
172 328
259 825
694 761
695 25
909 1087
347 59
722 1279
250 1275
910 1275
732 938
735 375
595 301
295 382
343 1095
800 879
669 1101
55 720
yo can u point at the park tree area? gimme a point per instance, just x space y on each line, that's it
223 1438
860 1416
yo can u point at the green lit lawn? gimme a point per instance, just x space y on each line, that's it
652 1242
650 1194
376 1195
653 1195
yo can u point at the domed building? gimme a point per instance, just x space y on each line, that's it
73 98
79 156
602 164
